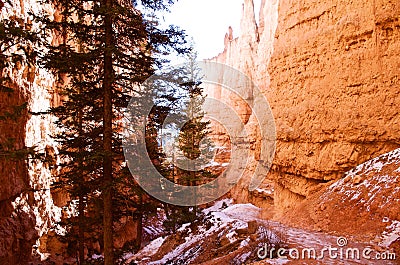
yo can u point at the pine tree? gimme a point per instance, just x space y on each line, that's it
192 142
109 47
193 135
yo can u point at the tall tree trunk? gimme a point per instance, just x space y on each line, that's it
107 140
81 206
81 183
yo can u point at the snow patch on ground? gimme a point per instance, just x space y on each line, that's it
374 186
277 261
269 192
225 218
244 212
391 234
369 183
231 236
218 206
151 248
184 227
375 165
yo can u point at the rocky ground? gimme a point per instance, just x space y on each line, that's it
234 234
359 211
365 203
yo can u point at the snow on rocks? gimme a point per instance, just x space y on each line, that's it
391 234
244 212
371 194
374 182
221 223
152 247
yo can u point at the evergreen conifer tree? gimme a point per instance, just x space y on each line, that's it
193 143
109 47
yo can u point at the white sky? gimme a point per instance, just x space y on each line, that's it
207 21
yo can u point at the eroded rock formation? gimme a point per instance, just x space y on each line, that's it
26 206
250 53
330 71
29 206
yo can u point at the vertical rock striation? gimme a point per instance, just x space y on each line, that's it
250 53
330 71
335 89
26 206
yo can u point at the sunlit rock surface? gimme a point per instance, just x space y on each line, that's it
27 209
330 71
250 53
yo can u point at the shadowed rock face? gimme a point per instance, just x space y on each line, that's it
28 208
17 236
13 173
17 228
330 71
17 225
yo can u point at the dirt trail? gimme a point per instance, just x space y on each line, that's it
301 239
203 244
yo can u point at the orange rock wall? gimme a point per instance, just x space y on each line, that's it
26 207
330 70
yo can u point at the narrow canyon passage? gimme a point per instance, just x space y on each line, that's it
301 108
